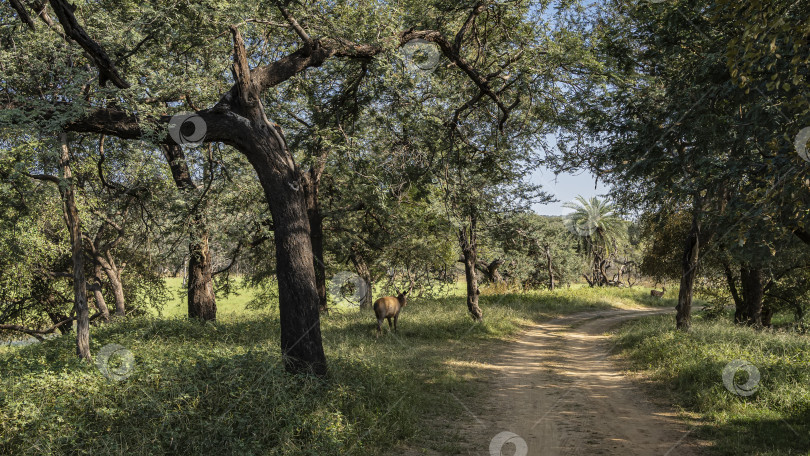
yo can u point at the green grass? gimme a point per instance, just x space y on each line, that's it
219 387
688 369
178 307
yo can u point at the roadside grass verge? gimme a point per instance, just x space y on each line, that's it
688 369
219 387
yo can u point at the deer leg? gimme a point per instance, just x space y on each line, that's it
389 323
379 327
396 319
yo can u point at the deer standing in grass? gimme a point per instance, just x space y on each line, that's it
658 294
389 307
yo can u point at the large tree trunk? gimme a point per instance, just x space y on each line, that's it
202 302
77 254
263 144
311 187
550 268
301 344
753 290
467 242
689 265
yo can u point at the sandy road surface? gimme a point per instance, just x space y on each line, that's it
559 392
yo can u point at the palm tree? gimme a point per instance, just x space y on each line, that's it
596 223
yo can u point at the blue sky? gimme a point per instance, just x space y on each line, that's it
565 188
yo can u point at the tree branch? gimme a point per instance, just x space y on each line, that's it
22 13
39 333
44 177
295 25
106 68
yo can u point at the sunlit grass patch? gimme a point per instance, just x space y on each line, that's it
198 388
690 366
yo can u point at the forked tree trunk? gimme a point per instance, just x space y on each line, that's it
202 302
114 275
467 242
490 270
689 263
101 304
77 253
263 144
753 290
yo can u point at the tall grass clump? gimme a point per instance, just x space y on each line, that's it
690 365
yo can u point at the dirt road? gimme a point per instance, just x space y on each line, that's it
557 391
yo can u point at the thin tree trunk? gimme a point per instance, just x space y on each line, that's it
550 268
767 314
74 227
467 241
101 304
753 290
689 263
201 299
114 275
202 302
311 188
739 304
365 273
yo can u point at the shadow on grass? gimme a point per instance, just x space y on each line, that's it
760 436
218 387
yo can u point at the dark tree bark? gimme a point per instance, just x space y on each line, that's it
74 227
753 290
312 181
263 144
767 314
689 265
739 304
550 268
202 302
467 242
